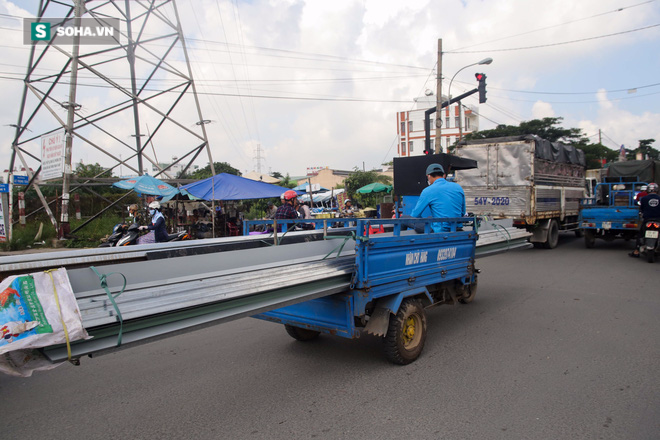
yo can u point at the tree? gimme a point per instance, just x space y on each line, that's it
277 175
544 128
645 149
95 170
205 173
595 153
286 182
358 179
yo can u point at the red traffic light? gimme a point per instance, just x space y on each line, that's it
479 76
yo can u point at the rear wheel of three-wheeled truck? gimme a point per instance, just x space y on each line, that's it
301 334
406 333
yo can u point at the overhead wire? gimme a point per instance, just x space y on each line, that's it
557 25
539 46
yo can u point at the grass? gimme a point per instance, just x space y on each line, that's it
89 236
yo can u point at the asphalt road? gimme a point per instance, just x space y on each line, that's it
559 344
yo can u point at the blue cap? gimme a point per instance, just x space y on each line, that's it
435 168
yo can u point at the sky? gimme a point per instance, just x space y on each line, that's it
315 83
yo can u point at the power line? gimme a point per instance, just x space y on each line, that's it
578 102
300 98
628 89
557 44
557 25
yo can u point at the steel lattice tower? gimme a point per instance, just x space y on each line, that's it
121 104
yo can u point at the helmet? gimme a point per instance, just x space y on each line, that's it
289 195
653 187
347 201
643 188
154 205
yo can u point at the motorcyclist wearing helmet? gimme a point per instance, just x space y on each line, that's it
349 210
650 209
157 223
643 191
286 210
134 213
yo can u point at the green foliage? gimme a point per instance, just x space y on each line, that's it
277 175
286 182
92 233
205 173
545 128
645 148
594 153
89 236
358 179
90 170
23 237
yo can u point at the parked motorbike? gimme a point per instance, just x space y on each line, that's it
133 234
651 244
118 232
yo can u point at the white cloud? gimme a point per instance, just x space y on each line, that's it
346 49
542 110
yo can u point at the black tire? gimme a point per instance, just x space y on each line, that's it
301 334
650 256
589 239
406 333
553 235
470 293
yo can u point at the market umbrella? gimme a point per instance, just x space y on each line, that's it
375 187
146 184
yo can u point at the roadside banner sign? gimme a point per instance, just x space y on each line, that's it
20 180
52 156
4 188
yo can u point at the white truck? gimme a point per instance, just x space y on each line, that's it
536 183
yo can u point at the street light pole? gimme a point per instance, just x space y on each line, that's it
460 105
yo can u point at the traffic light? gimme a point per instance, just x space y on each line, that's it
481 77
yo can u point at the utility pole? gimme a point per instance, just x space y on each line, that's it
438 112
600 141
65 228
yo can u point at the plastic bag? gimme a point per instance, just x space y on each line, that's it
38 310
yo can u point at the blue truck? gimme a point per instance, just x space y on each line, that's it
397 275
613 212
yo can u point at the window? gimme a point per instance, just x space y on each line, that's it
467 123
431 126
403 128
410 147
447 122
431 144
403 148
457 121
448 142
410 126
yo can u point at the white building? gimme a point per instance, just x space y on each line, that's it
410 125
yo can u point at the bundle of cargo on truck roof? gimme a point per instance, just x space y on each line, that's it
634 171
543 149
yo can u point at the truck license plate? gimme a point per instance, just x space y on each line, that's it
651 234
607 225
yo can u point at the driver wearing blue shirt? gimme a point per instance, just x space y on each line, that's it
443 198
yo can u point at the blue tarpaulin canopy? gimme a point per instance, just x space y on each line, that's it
230 187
